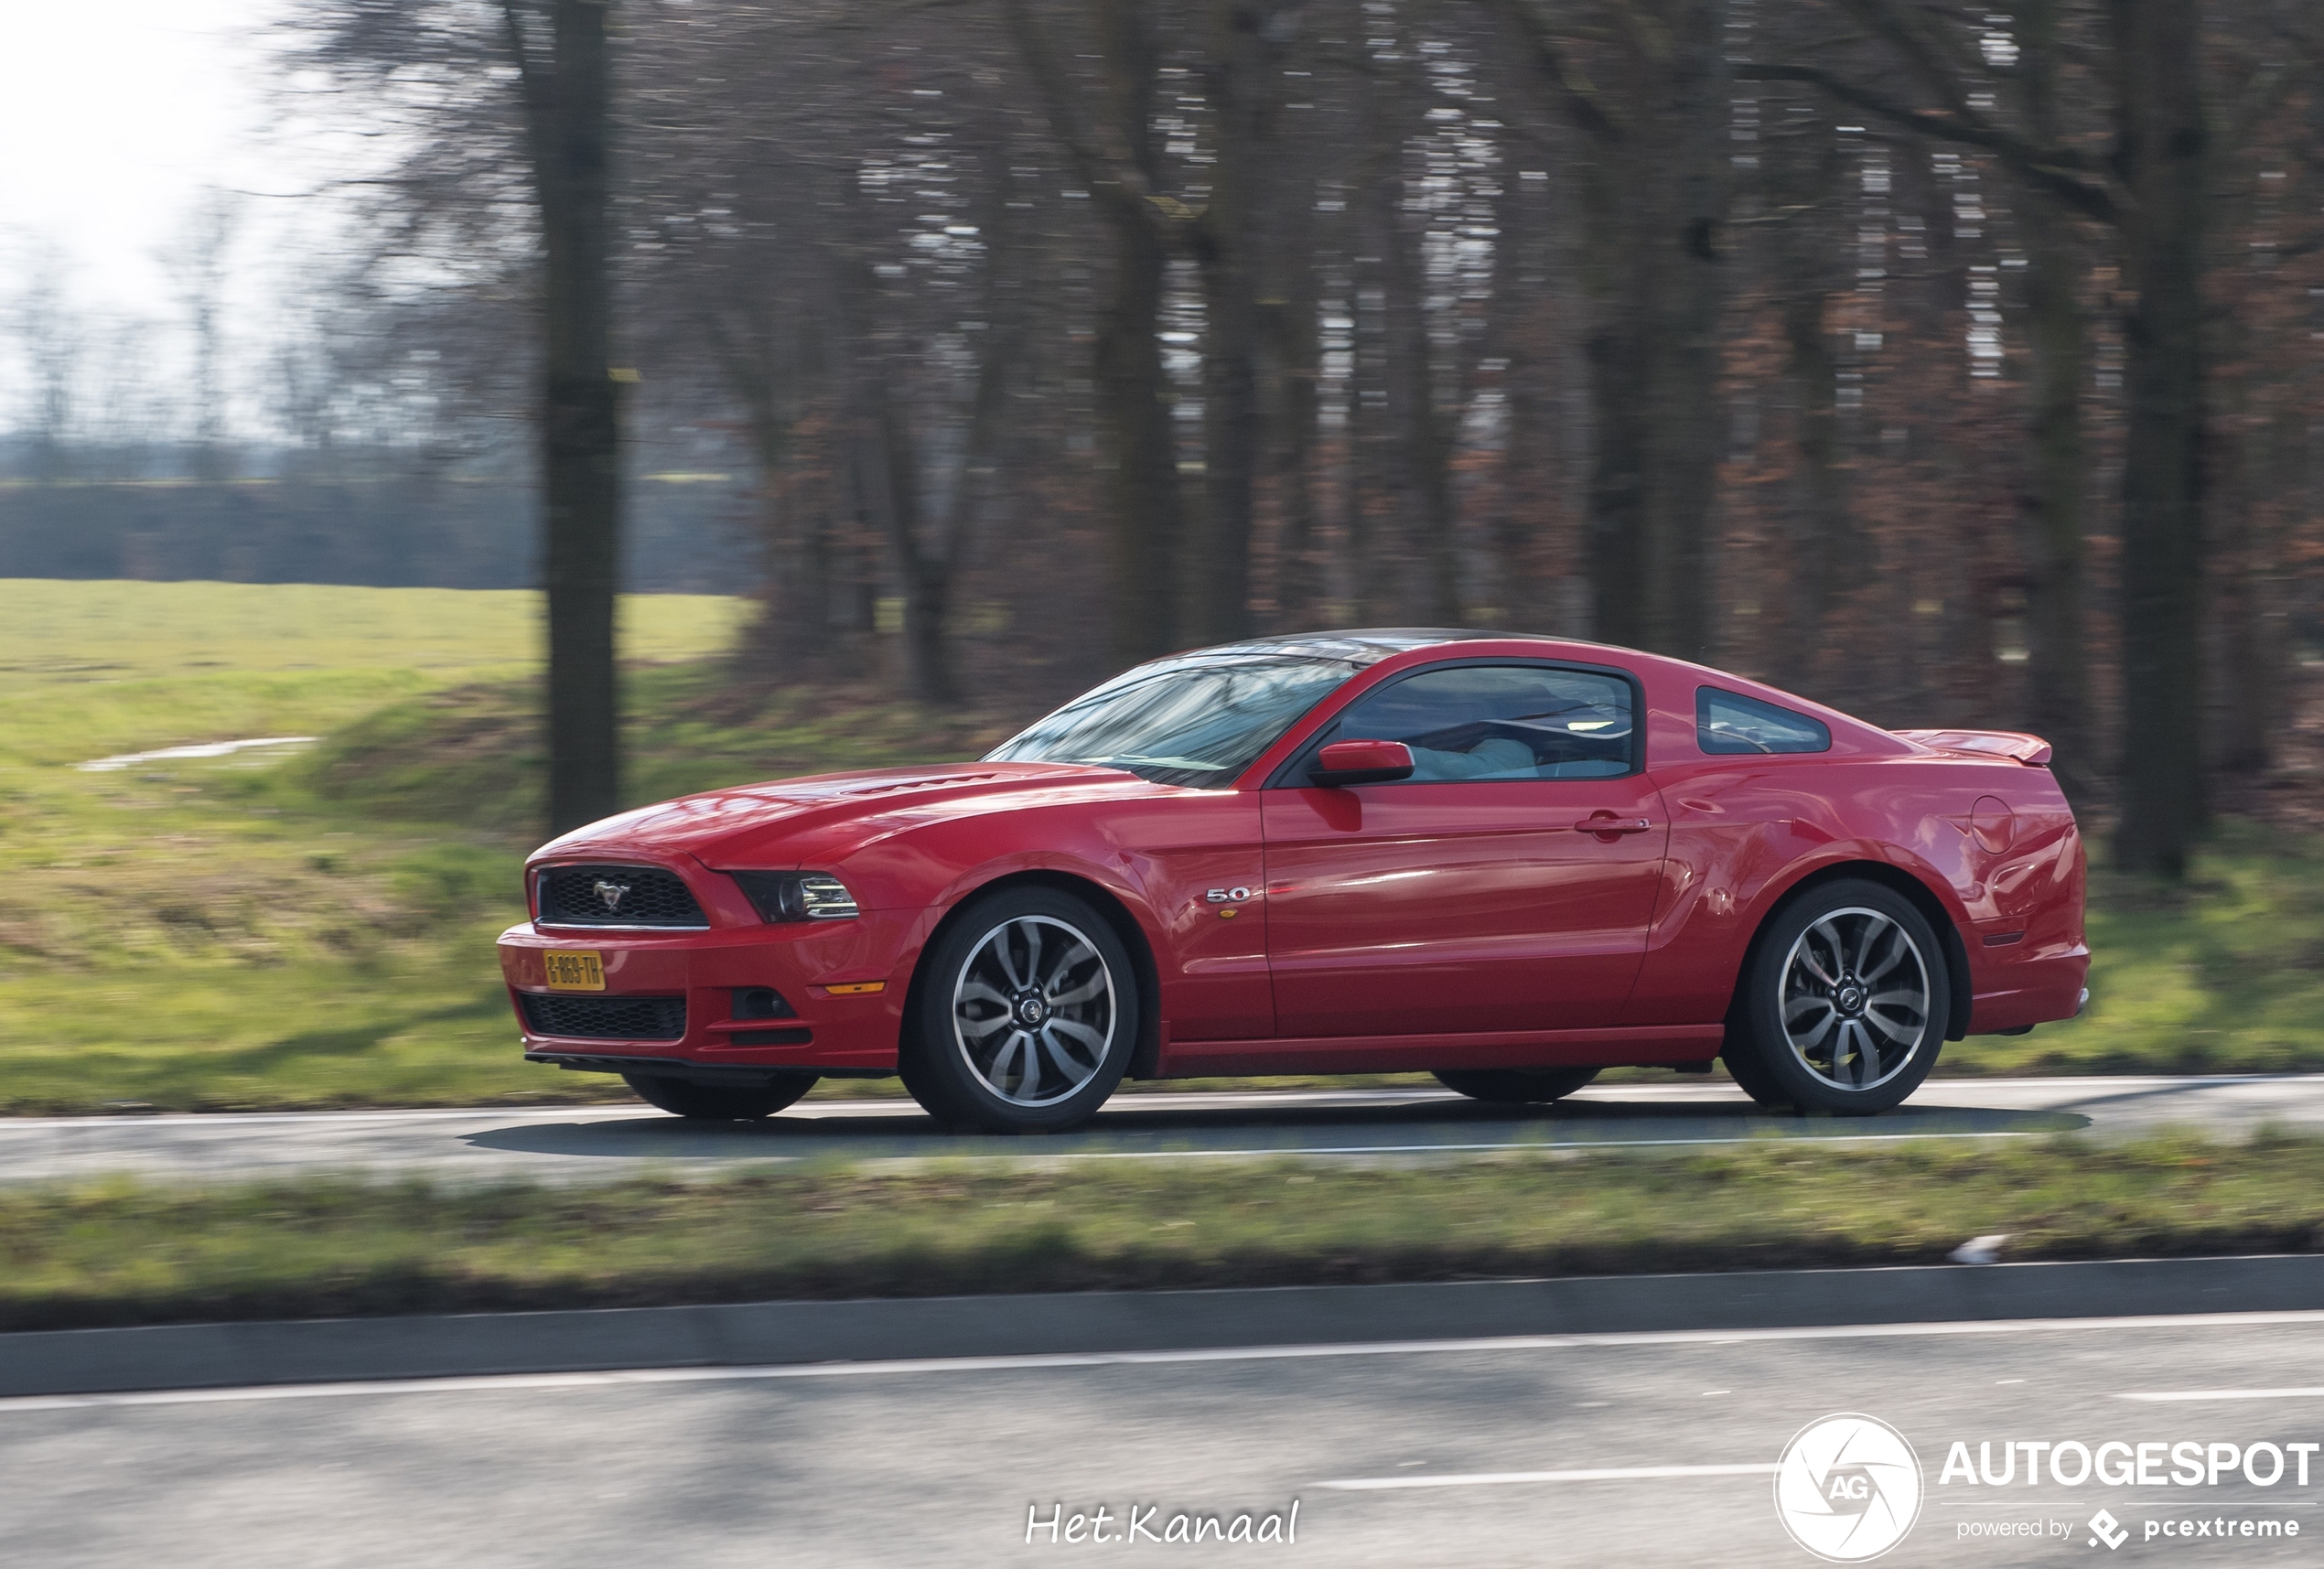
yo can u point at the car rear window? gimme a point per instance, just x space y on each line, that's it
1728 722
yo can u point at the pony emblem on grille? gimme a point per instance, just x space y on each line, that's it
612 893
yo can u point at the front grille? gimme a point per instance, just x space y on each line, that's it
615 896
605 1018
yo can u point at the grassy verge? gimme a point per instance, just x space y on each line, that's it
217 933
2223 974
253 932
123 1254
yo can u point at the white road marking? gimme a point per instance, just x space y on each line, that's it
1503 1478
619 1377
2229 1394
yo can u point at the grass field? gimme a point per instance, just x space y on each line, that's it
219 932
123 1254
316 929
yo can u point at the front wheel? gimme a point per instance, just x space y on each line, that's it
1844 1005
1024 1016
719 1102
1516 1086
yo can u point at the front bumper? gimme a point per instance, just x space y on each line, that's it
850 1030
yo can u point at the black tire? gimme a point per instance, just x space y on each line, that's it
1861 976
984 1045
1743 1066
1516 1086
718 1102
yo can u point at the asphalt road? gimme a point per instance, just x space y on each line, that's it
569 1144
1642 1450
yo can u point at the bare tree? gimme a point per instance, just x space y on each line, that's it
197 265
1645 86
51 338
566 76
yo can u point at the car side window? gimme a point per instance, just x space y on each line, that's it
1501 722
1728 722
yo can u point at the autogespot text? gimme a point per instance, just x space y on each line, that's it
2117 1463
2184 1463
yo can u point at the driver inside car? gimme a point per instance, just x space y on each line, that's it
1494 755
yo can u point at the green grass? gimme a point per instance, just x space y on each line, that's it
2222 974
254 932
119 1254
221 933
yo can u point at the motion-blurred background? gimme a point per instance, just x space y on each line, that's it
1950 363
425 424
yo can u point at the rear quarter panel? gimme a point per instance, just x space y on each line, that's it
1748 831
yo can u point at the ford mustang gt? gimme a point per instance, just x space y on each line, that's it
1506 861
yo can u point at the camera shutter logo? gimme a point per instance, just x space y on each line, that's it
1848 1488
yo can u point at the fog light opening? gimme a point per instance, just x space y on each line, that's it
762 1003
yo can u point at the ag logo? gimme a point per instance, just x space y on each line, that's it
1847 1488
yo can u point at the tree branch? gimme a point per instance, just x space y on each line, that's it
2048 168
532 86
2266 93
1586 105
1118 181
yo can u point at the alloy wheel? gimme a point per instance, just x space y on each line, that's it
1034 1010
1856 999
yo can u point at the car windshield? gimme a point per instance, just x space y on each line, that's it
1193 721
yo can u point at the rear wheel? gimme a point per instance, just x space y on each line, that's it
1516 1086
1844 1005
719 1102
1025 1014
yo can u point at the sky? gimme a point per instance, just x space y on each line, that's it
115 119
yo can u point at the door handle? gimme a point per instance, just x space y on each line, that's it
1612 825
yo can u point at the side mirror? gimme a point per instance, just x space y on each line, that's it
1362 762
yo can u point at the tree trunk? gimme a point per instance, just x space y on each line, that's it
1138 442
1823 548
2161 154
1283 221
1375 496
580 445
1290 322
921 571
774 394
1688 114
1654 195
1420 437
2250 554
2056 662
1221 607
1526 506
2058 669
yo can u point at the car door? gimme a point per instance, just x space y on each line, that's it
1475 897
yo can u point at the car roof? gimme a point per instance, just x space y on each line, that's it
1368 646
1363 645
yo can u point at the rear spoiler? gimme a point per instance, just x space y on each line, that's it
2030 750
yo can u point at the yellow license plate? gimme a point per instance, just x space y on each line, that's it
574 969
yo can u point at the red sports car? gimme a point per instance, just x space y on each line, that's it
1506 861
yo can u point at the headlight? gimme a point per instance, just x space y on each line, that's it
797 896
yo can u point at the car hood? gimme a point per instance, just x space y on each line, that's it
772 825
